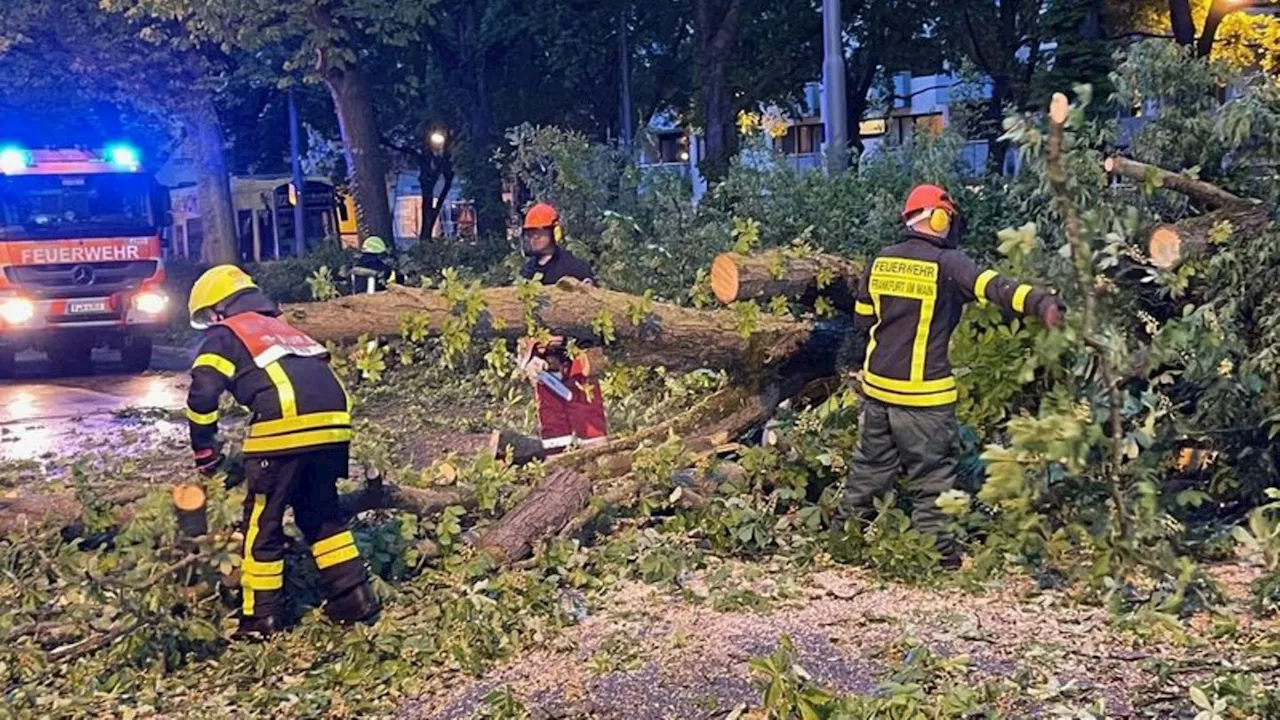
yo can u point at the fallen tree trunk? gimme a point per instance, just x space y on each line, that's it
551 504
1172 244
666 335
1206 192
784 273
560 503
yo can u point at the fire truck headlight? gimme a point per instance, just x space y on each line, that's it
16 310
151 303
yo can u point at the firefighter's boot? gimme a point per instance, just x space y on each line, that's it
258 628
357 605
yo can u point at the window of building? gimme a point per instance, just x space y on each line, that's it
803 139
874 127
929 124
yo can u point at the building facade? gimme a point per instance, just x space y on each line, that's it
920 106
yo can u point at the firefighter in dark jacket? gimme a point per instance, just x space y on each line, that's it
908 304
570 405
296 450
372 272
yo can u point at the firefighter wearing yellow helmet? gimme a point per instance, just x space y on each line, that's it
297 447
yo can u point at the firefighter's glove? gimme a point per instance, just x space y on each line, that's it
1052 312
534 367
210 463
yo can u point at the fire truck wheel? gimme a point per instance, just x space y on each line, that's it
8 363
136 354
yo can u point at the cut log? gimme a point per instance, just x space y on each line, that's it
784 273
667 335
555 501
1205 192
189 509
1171 244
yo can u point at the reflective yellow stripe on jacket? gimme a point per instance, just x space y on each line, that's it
217 362
199 418
924 400
297 441
980 287
300 423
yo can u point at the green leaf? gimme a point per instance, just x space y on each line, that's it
1199 698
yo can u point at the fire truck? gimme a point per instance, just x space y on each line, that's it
80 256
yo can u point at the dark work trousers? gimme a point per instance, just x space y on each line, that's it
919 441
307 482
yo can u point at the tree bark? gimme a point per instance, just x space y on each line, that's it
1001 92
667 335
861 76
431 167
221 244
1218 10
737 277
550 505
1184 27
418 501
367 165
717 26
462 59
626 109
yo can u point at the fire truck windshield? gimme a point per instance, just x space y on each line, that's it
35 207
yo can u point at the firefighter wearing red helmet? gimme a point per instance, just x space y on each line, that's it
570 404
909 303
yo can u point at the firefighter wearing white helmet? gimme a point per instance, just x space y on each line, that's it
297 447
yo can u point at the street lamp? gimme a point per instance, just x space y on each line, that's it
438 139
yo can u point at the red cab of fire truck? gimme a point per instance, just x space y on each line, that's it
80 256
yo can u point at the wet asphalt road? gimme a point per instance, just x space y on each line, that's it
43 414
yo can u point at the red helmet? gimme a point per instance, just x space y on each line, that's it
927 197
541 216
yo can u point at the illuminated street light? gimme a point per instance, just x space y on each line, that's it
437 139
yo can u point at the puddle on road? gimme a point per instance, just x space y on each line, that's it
115 414
63 437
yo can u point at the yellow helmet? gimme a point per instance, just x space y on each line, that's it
214 286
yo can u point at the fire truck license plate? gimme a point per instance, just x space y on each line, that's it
85 307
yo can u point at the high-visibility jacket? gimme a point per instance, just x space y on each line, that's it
280 374
908 304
